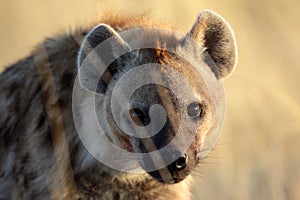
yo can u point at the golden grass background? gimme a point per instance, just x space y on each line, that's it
258 154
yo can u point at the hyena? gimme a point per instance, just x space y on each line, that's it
43 156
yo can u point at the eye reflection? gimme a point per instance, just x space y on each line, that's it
194 110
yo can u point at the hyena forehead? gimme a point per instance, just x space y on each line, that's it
187 80
176 77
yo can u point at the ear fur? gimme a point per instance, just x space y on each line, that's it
218 40
97 52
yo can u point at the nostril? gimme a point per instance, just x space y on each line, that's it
181 162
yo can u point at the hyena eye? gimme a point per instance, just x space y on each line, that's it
140 117
194 110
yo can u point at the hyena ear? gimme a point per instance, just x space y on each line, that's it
99 49
217 38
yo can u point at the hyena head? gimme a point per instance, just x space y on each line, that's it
157 93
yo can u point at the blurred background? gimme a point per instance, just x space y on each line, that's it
257 156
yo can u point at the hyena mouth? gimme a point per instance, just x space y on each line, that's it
175 172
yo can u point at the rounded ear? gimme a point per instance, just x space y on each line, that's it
216 36
98 50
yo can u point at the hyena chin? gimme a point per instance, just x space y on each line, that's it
121 109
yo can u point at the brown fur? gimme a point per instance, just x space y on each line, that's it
41 156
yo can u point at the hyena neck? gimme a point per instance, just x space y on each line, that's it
134 186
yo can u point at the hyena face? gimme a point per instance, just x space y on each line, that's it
187 115
156 92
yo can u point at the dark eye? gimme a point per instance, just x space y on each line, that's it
140 117
194 110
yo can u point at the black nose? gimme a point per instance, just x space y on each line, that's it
181 162
174 172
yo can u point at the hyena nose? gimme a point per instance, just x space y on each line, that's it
181 162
